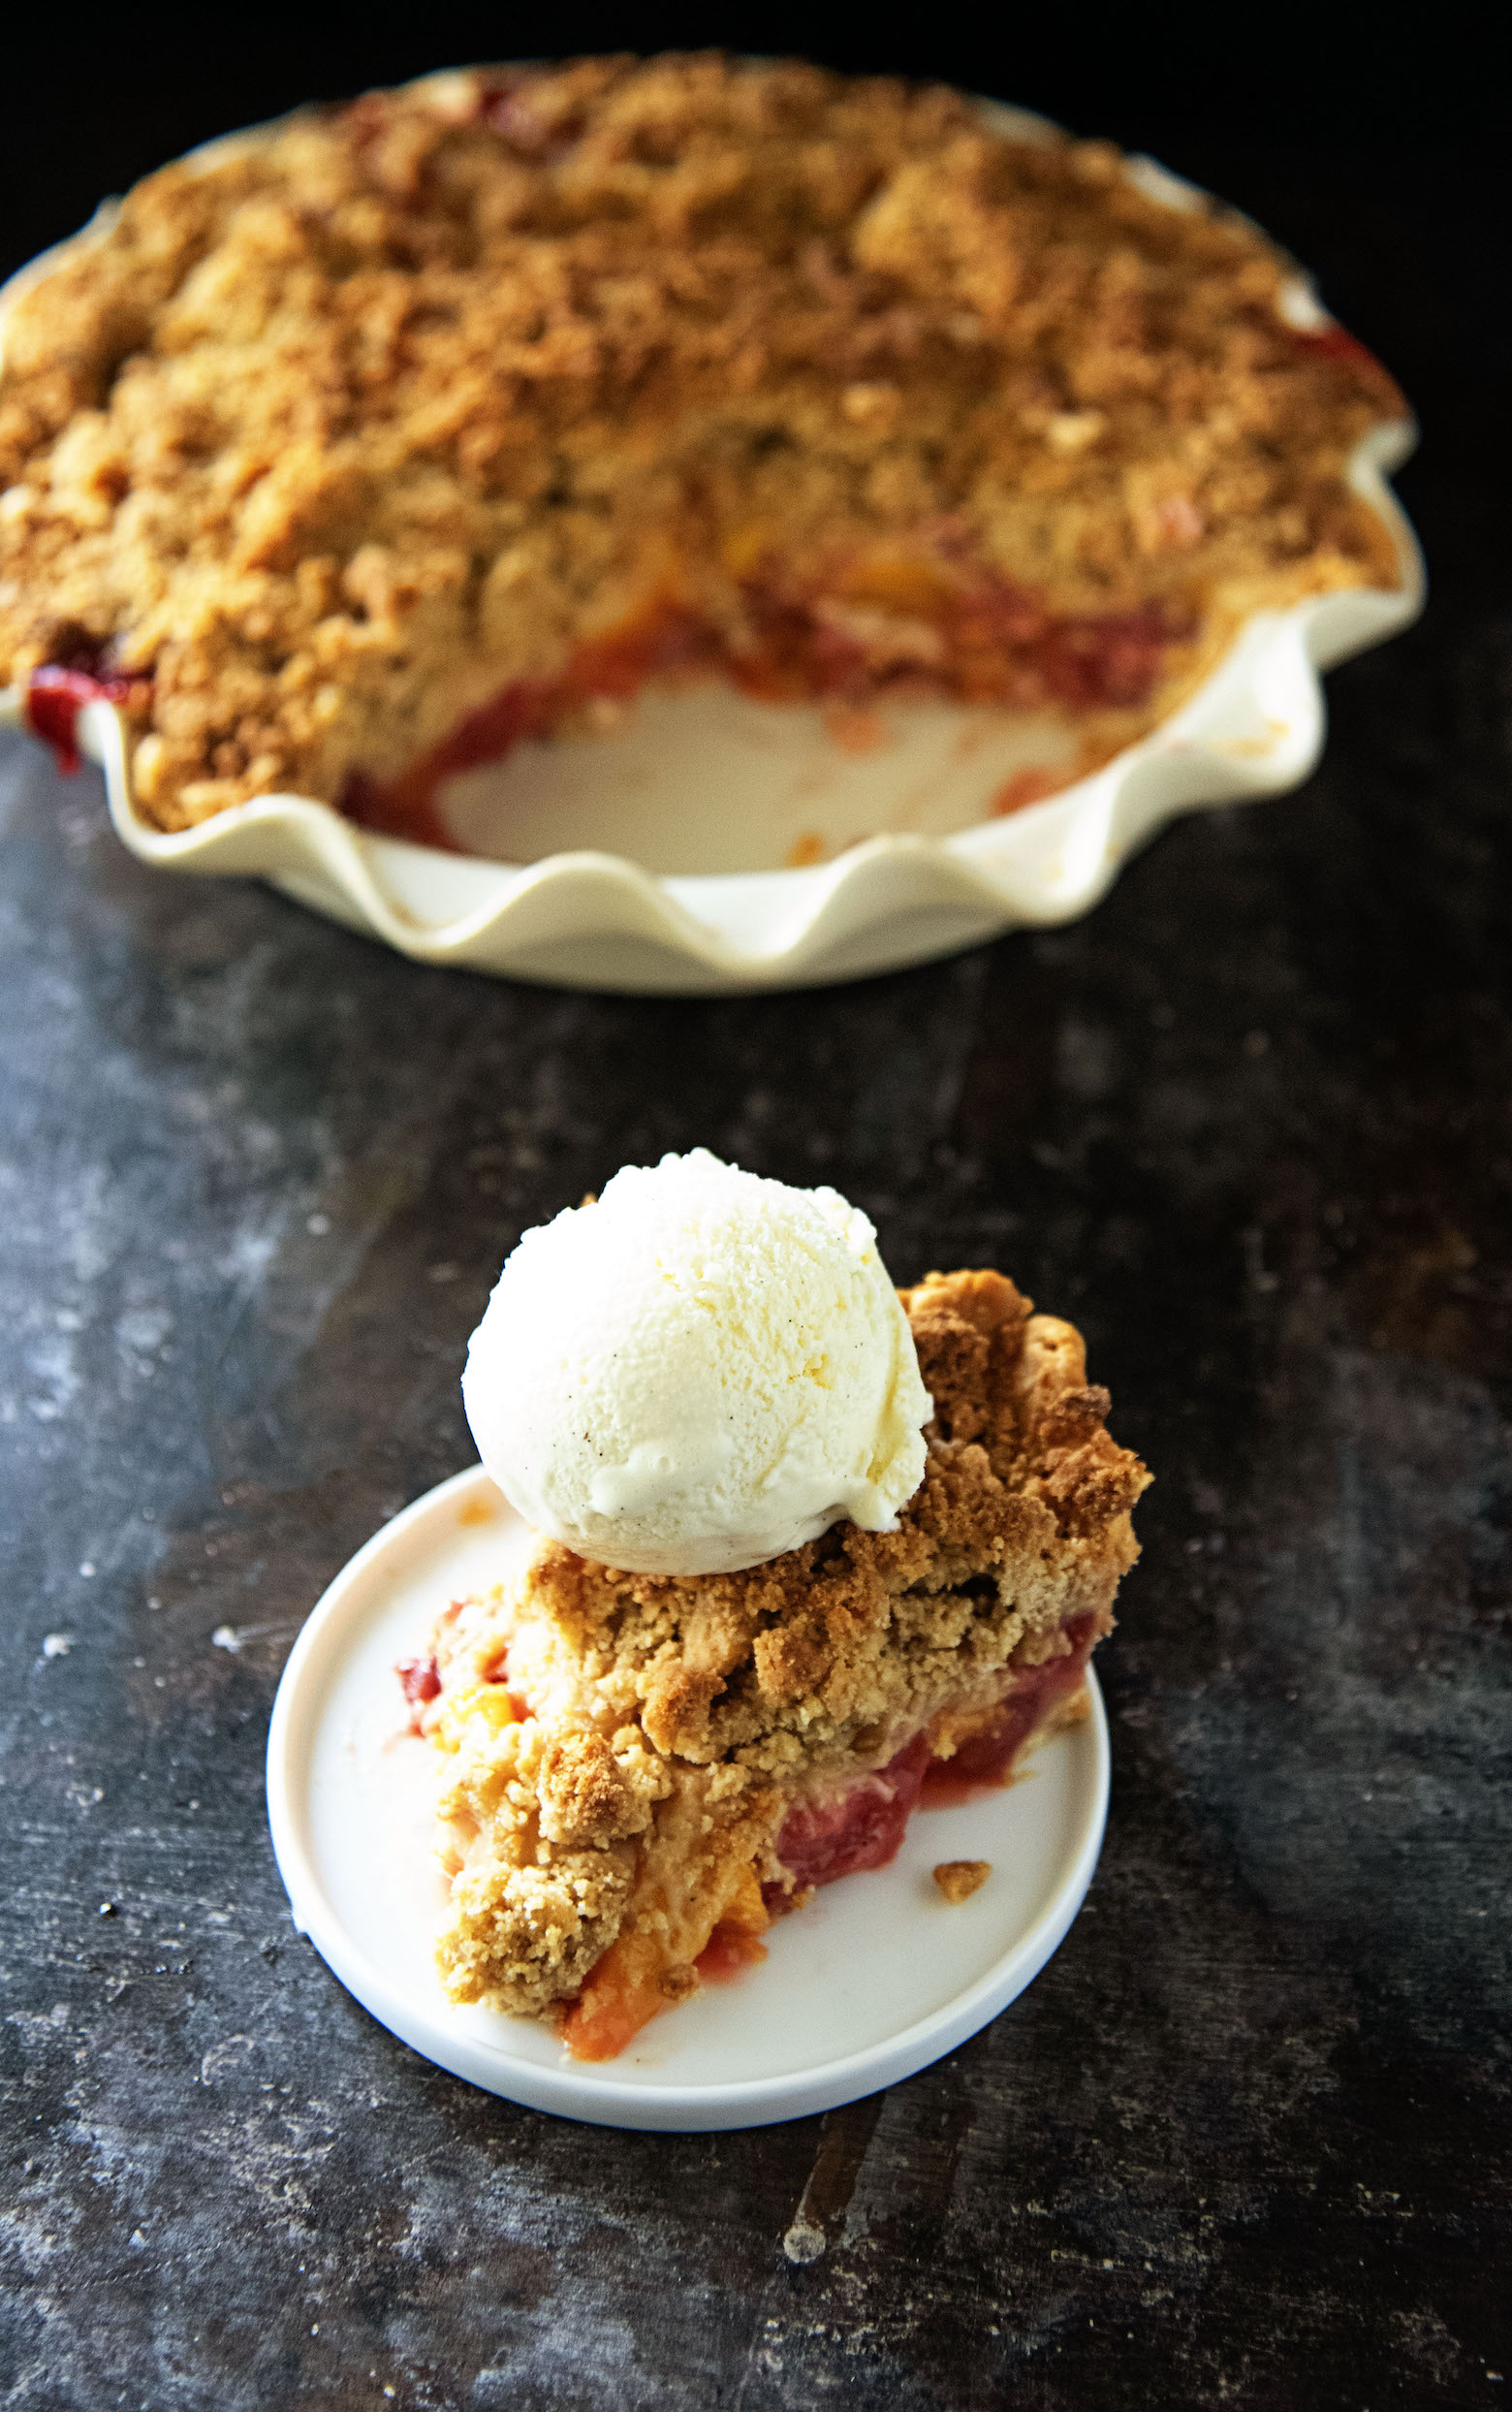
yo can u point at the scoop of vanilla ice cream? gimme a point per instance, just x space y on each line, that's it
701 1371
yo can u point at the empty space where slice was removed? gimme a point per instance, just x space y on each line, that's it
702 780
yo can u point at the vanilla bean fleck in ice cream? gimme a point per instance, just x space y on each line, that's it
699 1372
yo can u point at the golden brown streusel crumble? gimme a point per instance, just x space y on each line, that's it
959 1879
344 427
625 1750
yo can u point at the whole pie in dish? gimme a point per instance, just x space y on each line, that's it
643 1772
357 450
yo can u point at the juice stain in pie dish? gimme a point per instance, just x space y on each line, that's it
809 1553
478 1511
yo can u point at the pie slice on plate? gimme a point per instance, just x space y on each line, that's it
642 1772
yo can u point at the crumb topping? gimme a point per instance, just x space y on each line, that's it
959 1879
346 423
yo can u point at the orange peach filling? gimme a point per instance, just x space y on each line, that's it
642 1974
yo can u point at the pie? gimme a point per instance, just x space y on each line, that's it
639 1773
360 448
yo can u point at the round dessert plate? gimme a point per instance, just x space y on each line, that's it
877 1977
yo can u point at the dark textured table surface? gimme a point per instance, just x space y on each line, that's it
1247 2141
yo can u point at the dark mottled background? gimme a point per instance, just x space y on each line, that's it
1247 2141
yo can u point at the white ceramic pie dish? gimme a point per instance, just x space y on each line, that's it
874 1980
663 885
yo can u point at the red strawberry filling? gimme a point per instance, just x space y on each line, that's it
419 1679
57 692
838 1834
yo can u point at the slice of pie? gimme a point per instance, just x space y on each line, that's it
358 450
643 1772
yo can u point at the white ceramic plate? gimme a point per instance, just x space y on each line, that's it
874 1980
655 844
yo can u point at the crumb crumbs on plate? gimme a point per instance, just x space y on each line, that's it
959 1879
